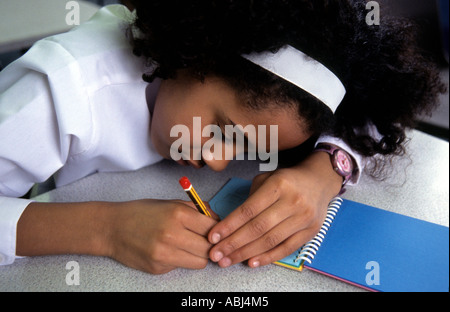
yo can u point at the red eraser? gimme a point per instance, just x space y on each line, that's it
185 183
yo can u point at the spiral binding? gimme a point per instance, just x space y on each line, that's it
309 250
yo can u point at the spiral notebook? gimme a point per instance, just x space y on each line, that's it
366 246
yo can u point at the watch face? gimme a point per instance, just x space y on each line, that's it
343 163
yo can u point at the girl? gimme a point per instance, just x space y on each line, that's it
76 103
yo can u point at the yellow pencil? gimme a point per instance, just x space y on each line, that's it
189 189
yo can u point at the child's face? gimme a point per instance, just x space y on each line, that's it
181 99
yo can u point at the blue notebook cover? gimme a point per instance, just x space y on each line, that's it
367 246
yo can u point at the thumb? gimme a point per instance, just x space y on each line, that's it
192 205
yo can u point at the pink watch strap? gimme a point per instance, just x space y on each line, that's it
341 161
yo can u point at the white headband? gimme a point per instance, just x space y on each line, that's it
301 70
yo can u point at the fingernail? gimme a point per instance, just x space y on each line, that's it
255 264
215 238
226 262
217 256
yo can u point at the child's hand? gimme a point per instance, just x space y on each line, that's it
286 209
158 236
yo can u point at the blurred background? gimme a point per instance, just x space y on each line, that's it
432 19
23 22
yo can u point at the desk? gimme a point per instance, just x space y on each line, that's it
420 191
23 22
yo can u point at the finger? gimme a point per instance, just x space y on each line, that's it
254 229
270 240
195 244
169 254
263 197
283 250
182 259
214 215
192 205
181 248
193 220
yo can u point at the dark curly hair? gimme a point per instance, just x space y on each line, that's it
388 80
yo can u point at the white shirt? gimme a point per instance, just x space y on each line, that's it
68 108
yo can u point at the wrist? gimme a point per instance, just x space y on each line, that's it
321 167
102 228
64 228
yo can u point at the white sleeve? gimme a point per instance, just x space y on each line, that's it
10 211
25 133
35 137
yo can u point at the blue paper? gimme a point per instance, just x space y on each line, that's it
368 246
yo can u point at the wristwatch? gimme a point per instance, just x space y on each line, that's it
342 162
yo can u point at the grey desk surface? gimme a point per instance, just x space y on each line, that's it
421 191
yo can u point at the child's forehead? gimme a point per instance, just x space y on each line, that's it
269 114
291 130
